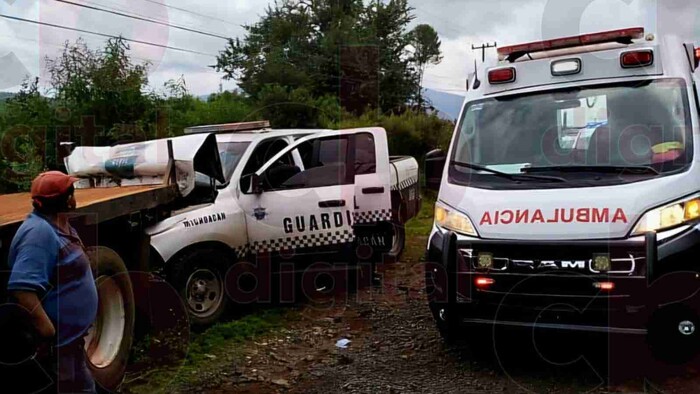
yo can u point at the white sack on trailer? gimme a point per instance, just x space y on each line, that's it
147 162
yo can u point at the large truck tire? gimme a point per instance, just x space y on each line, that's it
109 340
199 275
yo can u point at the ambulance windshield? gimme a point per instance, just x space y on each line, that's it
578 134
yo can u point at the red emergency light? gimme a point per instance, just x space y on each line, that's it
484 282
568 42
605 286
636 59
502 75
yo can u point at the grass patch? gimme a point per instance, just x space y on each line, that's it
222 335
208 351
422 224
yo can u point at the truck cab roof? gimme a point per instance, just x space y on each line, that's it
251 137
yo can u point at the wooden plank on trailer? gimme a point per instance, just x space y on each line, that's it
101 203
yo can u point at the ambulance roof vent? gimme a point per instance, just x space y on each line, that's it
261 126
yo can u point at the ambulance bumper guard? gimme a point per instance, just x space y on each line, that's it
554 285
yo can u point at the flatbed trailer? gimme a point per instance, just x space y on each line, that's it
101 203
110 222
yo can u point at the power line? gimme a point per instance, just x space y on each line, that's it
104 35
190 12
115 6
142 19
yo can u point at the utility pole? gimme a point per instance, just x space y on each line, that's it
483 49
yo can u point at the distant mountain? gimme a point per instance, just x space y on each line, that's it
448 105
6 95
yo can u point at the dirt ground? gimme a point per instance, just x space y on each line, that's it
395 347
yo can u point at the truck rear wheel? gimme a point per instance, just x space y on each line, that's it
199 276
399 239
109 339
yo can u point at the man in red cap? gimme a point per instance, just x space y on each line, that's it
52 278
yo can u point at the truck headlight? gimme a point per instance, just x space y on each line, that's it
450 219
669 216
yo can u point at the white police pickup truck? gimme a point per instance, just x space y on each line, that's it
309 198
545 224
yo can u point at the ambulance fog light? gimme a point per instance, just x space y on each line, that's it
601 263
485 261
566 67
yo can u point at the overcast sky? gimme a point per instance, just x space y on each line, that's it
460 24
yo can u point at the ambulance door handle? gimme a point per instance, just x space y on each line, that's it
331 204
373 190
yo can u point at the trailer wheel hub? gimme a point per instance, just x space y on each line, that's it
686 327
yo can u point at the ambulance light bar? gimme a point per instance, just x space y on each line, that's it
623 35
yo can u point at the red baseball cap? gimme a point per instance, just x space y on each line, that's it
51 184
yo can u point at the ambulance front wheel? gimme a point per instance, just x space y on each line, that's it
199 276
674 334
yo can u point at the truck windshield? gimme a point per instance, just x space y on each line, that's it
231 153
611 134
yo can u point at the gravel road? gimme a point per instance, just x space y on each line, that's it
395 348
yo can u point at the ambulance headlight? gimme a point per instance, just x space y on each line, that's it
669 216
450 219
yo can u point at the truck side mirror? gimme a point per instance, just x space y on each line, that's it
434 165
256 184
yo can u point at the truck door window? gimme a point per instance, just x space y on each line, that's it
365 154
325 164
265 151
231 153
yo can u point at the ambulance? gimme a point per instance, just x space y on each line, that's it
569 199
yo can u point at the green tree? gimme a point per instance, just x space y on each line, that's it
300 44
104 85
426 50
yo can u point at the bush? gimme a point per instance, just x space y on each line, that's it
411 133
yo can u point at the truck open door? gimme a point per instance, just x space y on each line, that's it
372 191
302 200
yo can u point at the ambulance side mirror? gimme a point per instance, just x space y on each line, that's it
434 165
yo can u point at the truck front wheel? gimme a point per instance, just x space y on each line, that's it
109 339
199 276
